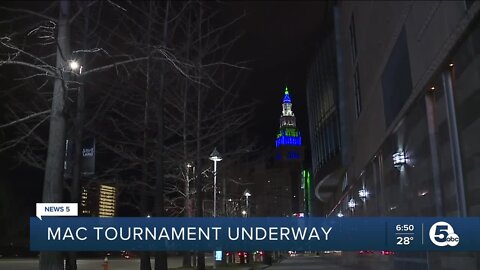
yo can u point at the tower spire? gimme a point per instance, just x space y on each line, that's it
288 133
286 97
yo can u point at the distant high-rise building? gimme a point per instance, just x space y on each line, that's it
98 200
88 201
289 153
327 136
394 119
106 201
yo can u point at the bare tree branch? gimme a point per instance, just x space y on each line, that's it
24 118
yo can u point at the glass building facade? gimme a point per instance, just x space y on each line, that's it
322 95
429 162
414 147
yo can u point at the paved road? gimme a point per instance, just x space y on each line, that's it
91 264
306 263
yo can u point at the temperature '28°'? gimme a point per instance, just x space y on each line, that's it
404 234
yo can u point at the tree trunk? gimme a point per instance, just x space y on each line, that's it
53 182
144 256
198 178
186 255
71 260
160 256
187 258
145 263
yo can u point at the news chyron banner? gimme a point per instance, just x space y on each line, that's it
299 234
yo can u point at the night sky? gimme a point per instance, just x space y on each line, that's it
280 39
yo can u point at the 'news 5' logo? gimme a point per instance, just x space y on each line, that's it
442 234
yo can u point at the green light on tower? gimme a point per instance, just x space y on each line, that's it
307 196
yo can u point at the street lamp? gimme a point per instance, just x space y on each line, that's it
399 160
247 194
363 194
215 157
75 65
352 204
187 189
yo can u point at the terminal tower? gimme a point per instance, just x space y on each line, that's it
289 153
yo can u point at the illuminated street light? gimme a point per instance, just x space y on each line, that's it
215 157
399 159
187 187
74 65
247 194
352 204
422 193
244 213
363 194
340 214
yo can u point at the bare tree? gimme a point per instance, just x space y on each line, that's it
160 103
60 73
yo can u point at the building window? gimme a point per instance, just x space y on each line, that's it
396 79
356 89
353 39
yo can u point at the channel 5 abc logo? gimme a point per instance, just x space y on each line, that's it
442 234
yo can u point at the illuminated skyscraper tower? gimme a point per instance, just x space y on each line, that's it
98 200
289 152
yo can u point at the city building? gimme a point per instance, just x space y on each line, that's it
272 192
106 201
408 82
327 136
307 192
289 154
98 200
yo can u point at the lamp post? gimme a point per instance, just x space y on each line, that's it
215 157
75 66
187 189
247 194
75 70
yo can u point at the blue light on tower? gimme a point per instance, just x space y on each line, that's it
288 140
288 134
286 97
